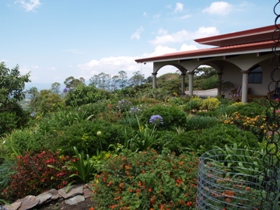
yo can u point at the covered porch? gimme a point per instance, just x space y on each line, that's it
243 58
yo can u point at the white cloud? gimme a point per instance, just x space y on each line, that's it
28 5
110 65
184 35
137 33
186 47
162 31
219 8
179 7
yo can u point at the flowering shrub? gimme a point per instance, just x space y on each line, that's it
123 105
210 104
194 104
172 115
147 180
255 124
33 176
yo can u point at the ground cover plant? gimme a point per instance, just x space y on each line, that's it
123 140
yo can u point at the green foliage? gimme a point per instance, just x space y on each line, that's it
84 135
83 94
19 141
11 85
160 94
195 122
172 116
147 180
16 117
202 83
210 104
33 176
193 104
201 141
241 160
46 102
7 169
71 82
81 167
8 122
143 138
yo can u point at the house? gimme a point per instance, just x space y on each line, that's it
245 58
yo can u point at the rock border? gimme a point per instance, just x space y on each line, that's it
74 195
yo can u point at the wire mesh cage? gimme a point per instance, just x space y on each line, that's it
230 180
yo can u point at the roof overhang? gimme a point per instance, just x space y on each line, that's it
213 52
258 40
241 37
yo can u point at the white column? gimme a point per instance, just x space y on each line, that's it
154 80
191 83
244 86
183 83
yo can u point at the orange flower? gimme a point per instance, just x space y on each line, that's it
91 208
121 184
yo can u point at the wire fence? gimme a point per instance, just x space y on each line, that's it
230 180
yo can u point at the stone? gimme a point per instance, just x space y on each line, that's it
44 197
72 191
75 200
54 194
13 206
29 202
87 193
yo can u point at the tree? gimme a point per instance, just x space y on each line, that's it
11 92
123 79
11 85
46 102
101 81
56 87
72 82
137 79
33 92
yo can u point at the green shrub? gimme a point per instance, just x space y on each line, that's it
19 141
193 105
201 141
172 116
160 94
194 122
90 137
147 180
46 102
84 95
210 103
12 117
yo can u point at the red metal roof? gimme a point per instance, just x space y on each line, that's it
258 39
240 37
208 52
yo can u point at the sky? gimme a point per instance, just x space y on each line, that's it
55 39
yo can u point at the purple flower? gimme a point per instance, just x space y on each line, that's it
134 110
156 119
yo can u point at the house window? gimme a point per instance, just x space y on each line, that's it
255 75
